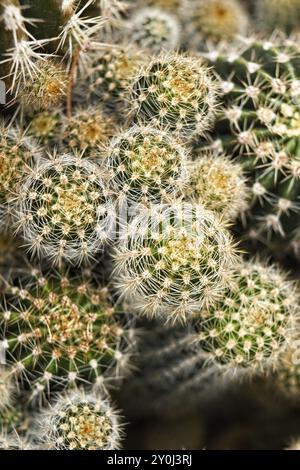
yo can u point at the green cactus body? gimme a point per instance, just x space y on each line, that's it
51 16
177 92
63 210
173 260
259 127
111 72
146 164
253 324
57 331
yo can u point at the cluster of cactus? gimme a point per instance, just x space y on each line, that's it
136 134
258 126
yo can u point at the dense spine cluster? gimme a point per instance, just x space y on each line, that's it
140 143
80 421
172 261
58 330
177 92
145 164
64 210
254 322
259 127
154 29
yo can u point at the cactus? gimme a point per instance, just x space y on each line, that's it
17 153
217 183
213 20
6 388
281 14
172 261
44 90
80 420
13 441
258 126
44 126
154 29
63 210
63 29
287 376
87 130
253 324
146 164
59 330
110 73
177 92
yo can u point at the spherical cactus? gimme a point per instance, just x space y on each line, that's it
213 20
58 330
259 127
45 88
146 164
177 92
218 184
87 130
63 210
80 421
254 322
154 29
111 72
172 261
17 153
281 14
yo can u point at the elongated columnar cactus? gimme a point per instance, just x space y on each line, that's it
63 210
259 127
175 91
213 20
58 330
281 14
172 261
146 164
17 153
154 29
254 322
80 421
217 183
